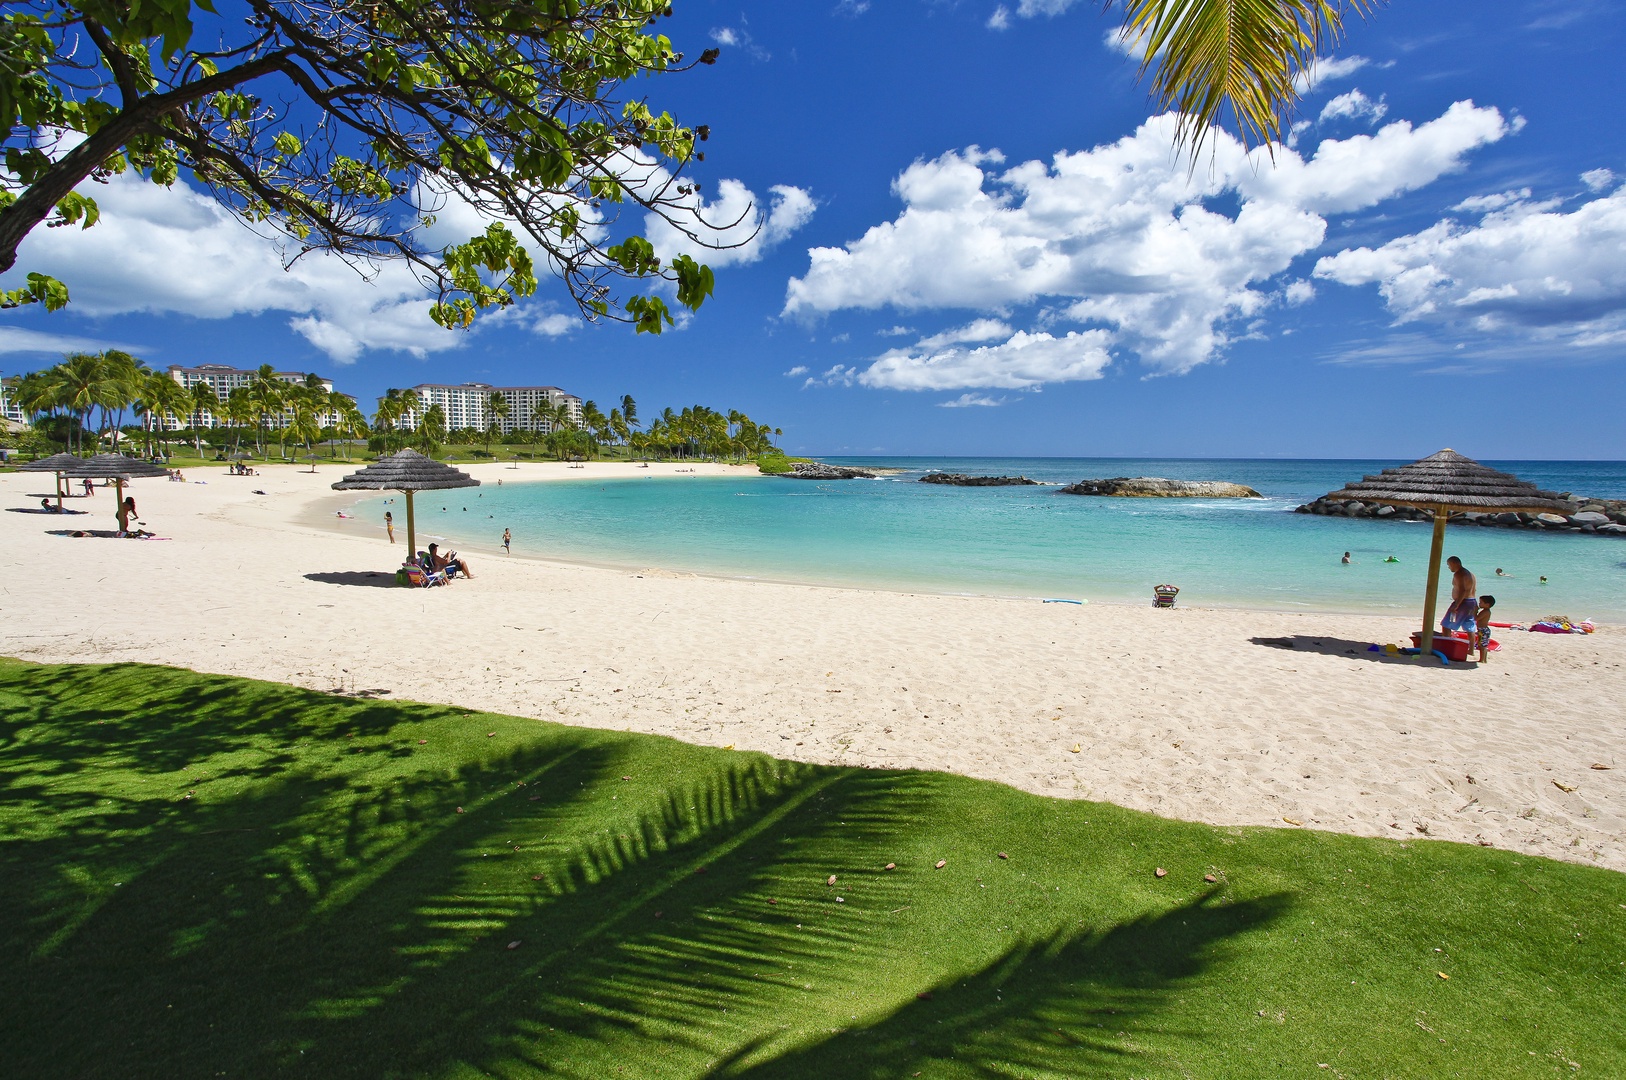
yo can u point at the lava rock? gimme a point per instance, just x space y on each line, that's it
962 480
1155 487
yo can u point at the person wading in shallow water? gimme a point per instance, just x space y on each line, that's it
507 538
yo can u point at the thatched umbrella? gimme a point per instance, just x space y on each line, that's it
407 471
115 467
1448 483
56 463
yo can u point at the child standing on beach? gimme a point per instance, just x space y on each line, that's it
1482 625
389 525
507 539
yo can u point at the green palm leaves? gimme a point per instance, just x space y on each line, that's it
1215 61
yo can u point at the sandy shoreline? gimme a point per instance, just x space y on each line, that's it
1195 714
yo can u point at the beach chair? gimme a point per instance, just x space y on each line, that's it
417 576
1163 595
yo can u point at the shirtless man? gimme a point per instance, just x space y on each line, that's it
1464 602
437 561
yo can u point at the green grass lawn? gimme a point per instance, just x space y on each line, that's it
206 876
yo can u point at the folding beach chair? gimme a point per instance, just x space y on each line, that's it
1163 595
415 575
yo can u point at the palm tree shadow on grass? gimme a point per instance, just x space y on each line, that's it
356 923
339 916
1071 1004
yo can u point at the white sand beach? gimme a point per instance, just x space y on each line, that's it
1181 713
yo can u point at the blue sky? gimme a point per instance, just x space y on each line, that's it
978 242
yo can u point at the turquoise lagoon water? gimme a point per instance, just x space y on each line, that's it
895 533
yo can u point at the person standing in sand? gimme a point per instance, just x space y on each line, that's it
389 525
1483 626
1464 604
507 538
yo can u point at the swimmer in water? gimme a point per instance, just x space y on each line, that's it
1500 574
1346 558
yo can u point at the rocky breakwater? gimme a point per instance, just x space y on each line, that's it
1155 487
818 470
955 479
1604 516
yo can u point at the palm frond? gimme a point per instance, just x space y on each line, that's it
1232 61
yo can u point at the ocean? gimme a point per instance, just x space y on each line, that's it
895 533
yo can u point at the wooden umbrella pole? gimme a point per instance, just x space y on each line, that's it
1430 600
412 533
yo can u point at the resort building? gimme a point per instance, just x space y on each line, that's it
223 379
9 408
469 406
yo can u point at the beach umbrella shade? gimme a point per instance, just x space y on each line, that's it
1448 483
407 471
114 467
56 463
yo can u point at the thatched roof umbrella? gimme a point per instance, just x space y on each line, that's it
56 463
1448 483
115 467
407 471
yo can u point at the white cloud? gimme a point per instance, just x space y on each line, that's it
731 37
896 331
1479 204
1000 19
555 324
978 330
1020 363
1527 268
1598 179
1353 105
175 250
799 369
1298 293
20 340
1327 69
965 401
1122 235
1030 8
734 221
852 7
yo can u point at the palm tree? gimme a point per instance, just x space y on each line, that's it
496 411
306 425
432 428
80 382
619 428
239 410
203 400
161 399
268 395
1237 59
629 410
411 408
352 424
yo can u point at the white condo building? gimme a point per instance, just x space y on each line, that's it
469 406
223 379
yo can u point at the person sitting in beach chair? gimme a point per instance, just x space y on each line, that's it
450 563
416 575
1163 595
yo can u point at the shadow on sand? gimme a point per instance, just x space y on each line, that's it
373 579
1331 646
